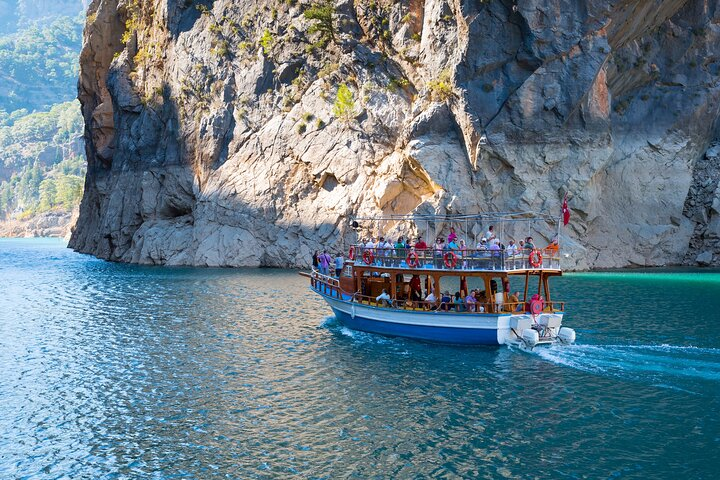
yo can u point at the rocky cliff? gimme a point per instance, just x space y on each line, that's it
216 136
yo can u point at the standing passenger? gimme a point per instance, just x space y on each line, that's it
339 262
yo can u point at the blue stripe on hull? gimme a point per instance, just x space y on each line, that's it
462 336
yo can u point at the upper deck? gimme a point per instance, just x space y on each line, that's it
465 260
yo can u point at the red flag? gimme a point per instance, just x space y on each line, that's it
565 211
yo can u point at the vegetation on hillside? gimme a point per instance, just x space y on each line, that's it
41 163
42 167
39 66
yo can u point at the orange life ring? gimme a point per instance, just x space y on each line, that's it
351 253
450 259
412 260
535 258
368 257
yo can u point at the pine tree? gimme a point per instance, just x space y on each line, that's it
344 107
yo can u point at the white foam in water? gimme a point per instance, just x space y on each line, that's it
659 364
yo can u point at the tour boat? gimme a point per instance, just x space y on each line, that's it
379 289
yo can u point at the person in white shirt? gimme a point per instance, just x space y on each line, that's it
511 249
490 234
431 300
384 299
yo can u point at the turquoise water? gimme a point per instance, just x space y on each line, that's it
117 371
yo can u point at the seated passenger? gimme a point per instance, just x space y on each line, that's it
553 247
431 300
420 244
470 302
515 298
445 301
458 302
384 299
511 249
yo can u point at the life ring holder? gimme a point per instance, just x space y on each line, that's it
351 252
535 258
412 260
368 257
450 259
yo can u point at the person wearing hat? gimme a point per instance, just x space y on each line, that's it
445 301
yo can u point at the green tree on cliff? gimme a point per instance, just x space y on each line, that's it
322 13
344 107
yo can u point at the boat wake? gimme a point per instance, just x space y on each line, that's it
662 365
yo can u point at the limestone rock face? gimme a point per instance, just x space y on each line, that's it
214 136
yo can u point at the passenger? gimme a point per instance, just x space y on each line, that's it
494 248
324 261
553 247
482 247
463 253
339 262
315 259
452 237
452 245
370 245
490 234
430 301
445 301
380 246
471 302
511 249
458 302
529 245
415 287
384 299
388 251
514 301
438 252
521 246
420 244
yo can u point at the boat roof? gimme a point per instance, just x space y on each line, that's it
461 217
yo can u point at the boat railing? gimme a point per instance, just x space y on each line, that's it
467 259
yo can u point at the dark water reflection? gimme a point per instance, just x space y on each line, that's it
116 371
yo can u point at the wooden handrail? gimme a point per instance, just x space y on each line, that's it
336 291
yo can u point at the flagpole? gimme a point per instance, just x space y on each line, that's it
561 220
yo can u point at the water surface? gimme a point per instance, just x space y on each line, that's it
118 371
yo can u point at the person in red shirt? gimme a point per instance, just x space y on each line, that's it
415 288
420 244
